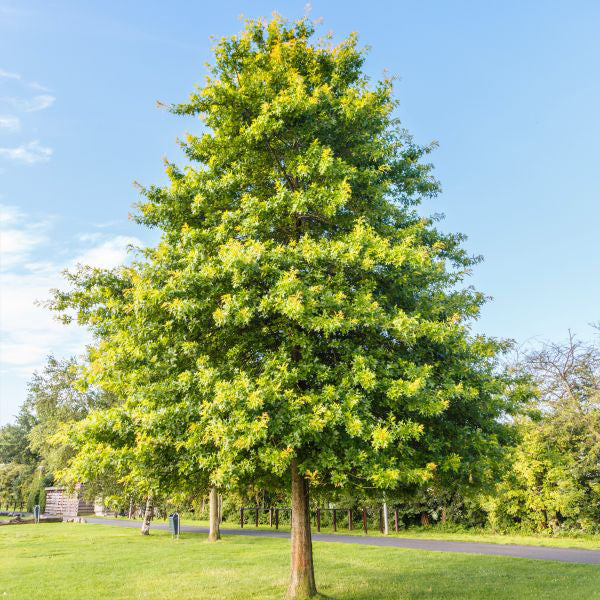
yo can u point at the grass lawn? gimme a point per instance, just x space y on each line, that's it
64 561
587 542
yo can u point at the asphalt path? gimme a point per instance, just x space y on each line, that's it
566 555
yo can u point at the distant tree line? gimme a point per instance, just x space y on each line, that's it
548 479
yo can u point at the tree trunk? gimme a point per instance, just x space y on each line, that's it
444 515
302 580
386 529
424 518
214 533
148 514
131 509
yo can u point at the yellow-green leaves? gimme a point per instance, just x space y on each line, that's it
297 305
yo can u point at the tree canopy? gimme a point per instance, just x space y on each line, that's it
299 322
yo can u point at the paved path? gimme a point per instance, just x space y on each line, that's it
568 555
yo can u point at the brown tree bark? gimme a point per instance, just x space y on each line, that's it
148 514
302 580
214 533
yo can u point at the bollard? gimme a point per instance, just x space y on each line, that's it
174 524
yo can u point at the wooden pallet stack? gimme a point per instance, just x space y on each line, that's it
60 502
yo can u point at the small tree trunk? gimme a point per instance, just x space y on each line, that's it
302 580
214 532
131 508
444 515
424 519
148 514
386 529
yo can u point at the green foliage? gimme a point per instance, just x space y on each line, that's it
554 481
297 305
14 443
28 457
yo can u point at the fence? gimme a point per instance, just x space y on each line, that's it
272 517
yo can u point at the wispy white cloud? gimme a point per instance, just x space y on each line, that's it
33 262
29 154
89 237
34 85
17 239
9 123
8 75
39 103
9 214
33 104
107 254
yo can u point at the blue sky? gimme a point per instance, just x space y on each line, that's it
509 89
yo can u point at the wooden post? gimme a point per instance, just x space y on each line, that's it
350 520
276 518
396 520
318 519
242 518
334 520
365 520
257 517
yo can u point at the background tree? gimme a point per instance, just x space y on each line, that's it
56 396
555 476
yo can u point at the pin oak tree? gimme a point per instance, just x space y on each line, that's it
315 330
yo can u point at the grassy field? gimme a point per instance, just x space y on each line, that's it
587 542
67 561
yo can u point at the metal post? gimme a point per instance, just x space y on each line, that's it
318 519
365 520
276 518
396 520
242 518
334 520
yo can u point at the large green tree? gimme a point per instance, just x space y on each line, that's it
314 329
